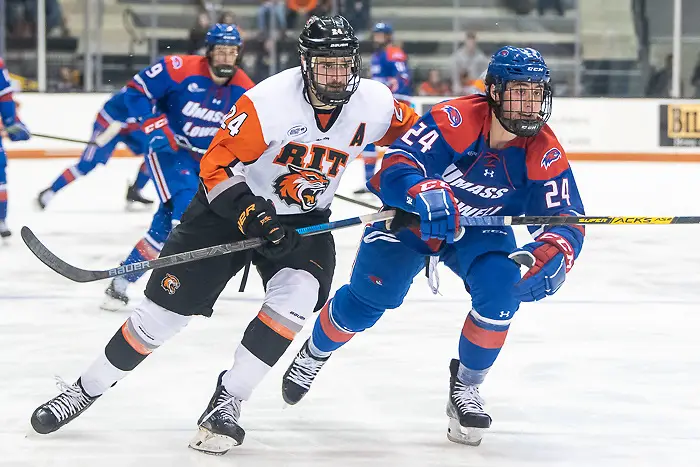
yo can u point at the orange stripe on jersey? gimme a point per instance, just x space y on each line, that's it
329 329
240 138
404 117
483 337
280 329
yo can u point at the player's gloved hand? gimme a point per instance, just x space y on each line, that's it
548 258
434 202
259 219
17 131
161 137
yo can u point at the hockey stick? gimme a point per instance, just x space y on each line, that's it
83 275
103 138
576 220
356 201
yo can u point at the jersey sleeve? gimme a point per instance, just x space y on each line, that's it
240 140
553 192
420 153
7 104
403 118
396 74
149 84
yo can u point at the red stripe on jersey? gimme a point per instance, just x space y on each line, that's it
6 97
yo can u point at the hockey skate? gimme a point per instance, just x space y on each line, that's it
300 374
115 299
4 230
44 197
219 430
134 196
465 407
63 408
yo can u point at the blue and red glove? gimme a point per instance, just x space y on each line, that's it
161 137
435 203
17 131
549 258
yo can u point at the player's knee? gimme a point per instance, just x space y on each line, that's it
148 327
290 298
154 324
352 314
491 282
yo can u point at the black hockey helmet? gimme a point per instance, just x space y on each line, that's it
330 59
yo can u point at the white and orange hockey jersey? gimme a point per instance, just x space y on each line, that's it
283 150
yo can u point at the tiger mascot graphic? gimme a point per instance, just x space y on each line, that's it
301 187
170 283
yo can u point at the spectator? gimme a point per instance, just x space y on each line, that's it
469 85
299 9
544 5
695 79
68 80
660 82
357 12
198 34
55 21
469 59
272 16
434 85
227 17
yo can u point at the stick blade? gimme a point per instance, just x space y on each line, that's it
54 262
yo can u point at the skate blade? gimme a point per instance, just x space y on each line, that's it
464 435
210 443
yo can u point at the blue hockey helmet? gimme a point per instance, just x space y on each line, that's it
524 112
383 27
222 34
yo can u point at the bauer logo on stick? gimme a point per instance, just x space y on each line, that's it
170 284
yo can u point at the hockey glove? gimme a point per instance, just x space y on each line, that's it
259 219
17 131
161 137
548 258
434 202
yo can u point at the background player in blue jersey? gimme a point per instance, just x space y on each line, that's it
16 131
389 65
473 156
192 95
113 125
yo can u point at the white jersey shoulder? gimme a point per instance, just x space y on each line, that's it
301 168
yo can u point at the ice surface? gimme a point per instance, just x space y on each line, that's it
606 373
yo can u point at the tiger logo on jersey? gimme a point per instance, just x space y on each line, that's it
301 187
170 284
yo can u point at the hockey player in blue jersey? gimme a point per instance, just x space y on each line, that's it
472 156
192 96
16 131
112 125
389 65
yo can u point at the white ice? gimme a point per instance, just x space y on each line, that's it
606 373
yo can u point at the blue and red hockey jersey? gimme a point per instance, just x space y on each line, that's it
183 89
7 104
389 66
529 176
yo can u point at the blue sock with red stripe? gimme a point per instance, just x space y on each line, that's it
3 200
142 177
149 246
67 177
479 345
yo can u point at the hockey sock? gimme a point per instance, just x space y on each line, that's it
479 345
328 335
67 177
3 201
370 164
264 342
145 250
146 329
141 177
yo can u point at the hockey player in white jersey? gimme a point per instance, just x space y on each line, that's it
273 167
